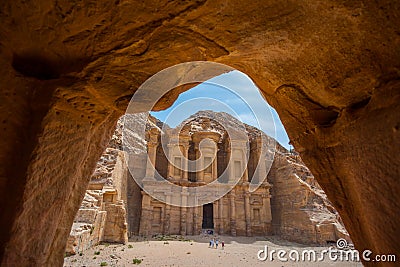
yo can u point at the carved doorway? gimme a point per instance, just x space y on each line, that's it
208 216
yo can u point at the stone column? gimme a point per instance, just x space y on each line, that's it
221 215
151 160
215 166
185 161
170 168
267 218
184 139
216 217
247 213
199 165
195 217
189 220
261 168
184 196
244 149
246 172
167 218
147 215
231 169
232 213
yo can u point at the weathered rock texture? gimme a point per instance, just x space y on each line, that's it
102 215
299 212
330 68
134 146
88 227
300 209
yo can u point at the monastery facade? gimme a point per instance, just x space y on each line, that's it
239 212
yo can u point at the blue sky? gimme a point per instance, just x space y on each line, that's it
234 93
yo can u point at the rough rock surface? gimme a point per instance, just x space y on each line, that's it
102 214
330 68
301 211
88 227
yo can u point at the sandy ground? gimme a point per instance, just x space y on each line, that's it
194 251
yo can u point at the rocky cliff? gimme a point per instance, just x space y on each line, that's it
102 216
300 209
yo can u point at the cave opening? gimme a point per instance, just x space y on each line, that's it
338 99
213 129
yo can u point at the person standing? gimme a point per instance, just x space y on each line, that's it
216 244
222 245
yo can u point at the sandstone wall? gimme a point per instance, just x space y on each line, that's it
88 227
102 216
116 227
134 207
301 211
120 177
85 235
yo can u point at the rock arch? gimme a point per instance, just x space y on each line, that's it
331 70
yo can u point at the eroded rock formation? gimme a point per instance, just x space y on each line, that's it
102 214
300 208
330 68
289 202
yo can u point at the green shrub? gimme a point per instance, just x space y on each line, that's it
136 261
97 253
103 263
130 246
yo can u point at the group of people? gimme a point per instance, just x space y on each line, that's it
214 243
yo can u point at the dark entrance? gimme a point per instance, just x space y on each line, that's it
208 216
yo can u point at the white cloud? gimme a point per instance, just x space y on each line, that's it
233 93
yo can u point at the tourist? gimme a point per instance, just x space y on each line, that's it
210 243
222 244
216 244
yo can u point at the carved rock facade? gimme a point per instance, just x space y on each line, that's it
288 203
